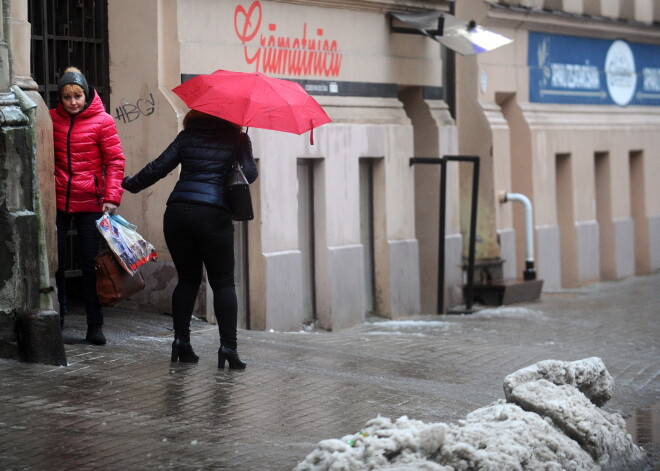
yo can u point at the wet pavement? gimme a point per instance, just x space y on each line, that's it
123 406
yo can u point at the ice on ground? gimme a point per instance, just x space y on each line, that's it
551 421
410 323
508 313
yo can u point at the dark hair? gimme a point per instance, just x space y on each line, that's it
209 121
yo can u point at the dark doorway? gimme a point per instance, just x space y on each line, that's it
69 33
307 168
367 232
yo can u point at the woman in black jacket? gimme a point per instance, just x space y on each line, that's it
198 225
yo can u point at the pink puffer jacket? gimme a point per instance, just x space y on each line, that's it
89 161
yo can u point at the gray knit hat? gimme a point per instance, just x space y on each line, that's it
71 78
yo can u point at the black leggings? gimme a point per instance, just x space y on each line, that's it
199 235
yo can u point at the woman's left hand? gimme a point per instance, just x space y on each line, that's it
109 207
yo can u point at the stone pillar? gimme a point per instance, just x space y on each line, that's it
24 278
40 338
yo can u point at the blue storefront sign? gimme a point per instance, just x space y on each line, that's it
577 70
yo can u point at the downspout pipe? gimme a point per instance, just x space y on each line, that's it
529 273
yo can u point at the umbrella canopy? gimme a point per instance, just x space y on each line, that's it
253 100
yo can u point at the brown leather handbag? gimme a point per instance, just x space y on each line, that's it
113 283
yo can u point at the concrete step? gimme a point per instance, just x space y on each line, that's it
498 293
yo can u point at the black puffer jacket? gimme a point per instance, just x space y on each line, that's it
206 154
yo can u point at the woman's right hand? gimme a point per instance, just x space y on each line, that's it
109 208
129 183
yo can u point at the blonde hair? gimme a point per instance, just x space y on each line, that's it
72 69
71 88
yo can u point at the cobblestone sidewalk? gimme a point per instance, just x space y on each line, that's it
123 406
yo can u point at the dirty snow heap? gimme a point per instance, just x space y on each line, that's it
551 420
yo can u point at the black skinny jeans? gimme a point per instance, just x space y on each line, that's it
89 239
200 235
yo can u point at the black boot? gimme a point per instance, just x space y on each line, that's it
226 353
183 352
95 334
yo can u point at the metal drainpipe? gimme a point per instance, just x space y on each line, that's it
529 273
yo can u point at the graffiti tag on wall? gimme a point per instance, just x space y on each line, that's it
305 55
129 112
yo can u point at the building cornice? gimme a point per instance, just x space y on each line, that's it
552 21
377 6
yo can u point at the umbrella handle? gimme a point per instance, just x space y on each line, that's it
311 133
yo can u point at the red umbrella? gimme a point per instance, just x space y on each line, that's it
253 100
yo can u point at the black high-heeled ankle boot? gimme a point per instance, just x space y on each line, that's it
95 334
226 353
183 352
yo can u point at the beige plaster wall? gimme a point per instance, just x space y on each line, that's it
435 135
582 134
140 101
519 142
143 70
541 133
476 139
484 81
20 38
640 10
214 35
204 39
209 41
339 146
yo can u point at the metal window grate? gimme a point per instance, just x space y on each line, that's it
69 33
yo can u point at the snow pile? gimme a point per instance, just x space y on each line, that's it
600 433
402 445
505 437
551 422
589 376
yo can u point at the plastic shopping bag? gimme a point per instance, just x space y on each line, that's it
129 247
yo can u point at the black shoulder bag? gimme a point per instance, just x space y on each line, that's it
238 190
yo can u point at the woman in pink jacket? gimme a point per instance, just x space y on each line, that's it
89 168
